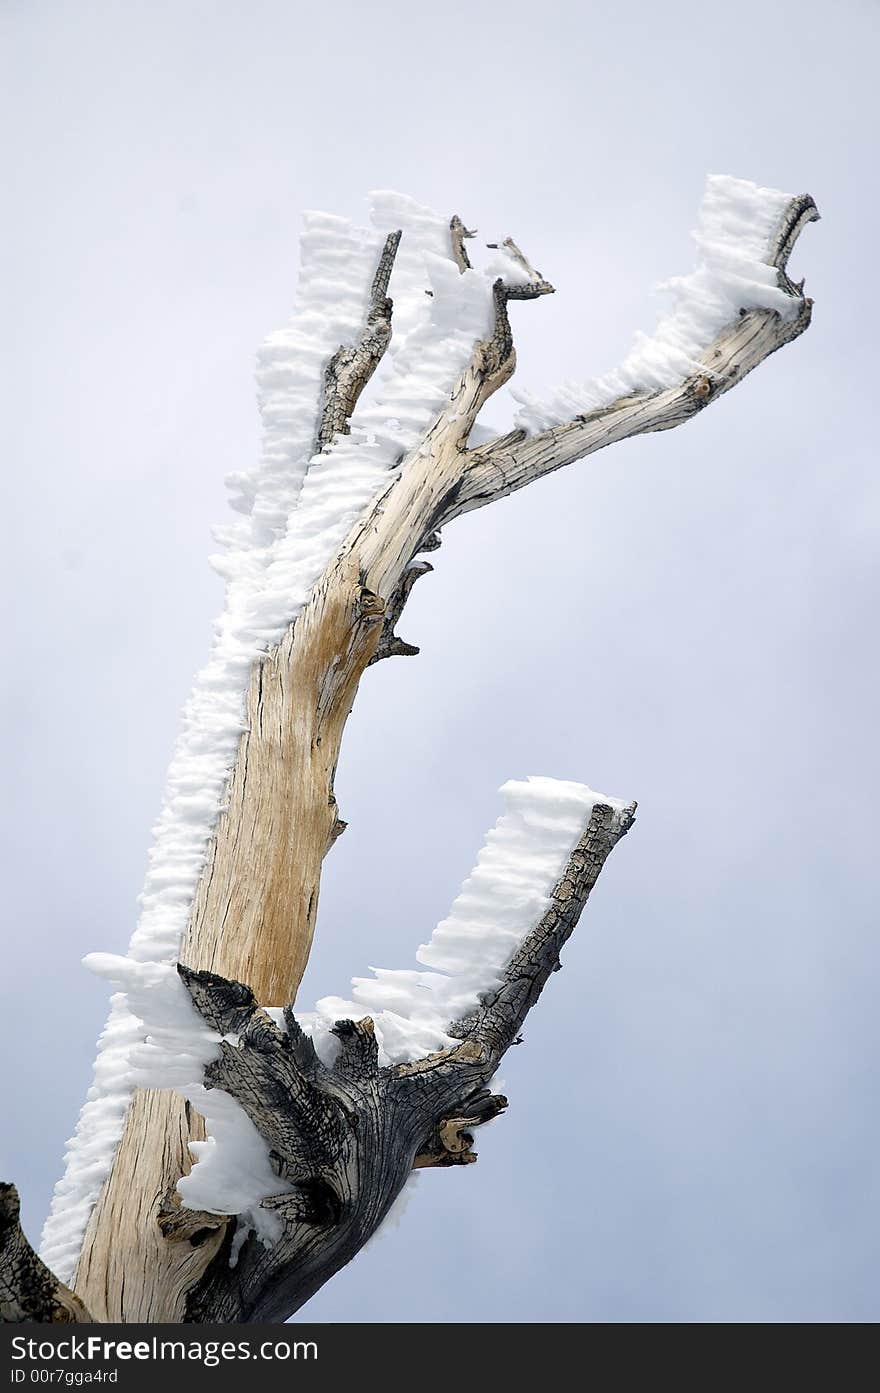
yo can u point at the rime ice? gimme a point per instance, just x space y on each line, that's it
735 237
294 510
500 902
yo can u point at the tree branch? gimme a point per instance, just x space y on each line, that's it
254 911
390 645
345 1137
350 369
509 463
28 1290
498 1022
458 233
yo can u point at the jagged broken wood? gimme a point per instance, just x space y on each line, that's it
251 925
350 369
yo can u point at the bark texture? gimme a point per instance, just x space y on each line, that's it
347 1138
28 1290
350 369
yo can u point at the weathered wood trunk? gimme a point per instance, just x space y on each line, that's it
349 1136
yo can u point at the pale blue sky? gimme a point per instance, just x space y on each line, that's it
688 619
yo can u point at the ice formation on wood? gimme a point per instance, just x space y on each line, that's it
297 509
736 236
500 902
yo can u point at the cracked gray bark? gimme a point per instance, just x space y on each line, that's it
390 644
516 459
345 1138
144 1258
28 1290
350 369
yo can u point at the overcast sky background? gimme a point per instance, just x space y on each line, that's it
688 619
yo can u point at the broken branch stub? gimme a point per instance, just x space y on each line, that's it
345 1136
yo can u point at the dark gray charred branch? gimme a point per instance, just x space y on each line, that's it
28 1290
350 369
344 1136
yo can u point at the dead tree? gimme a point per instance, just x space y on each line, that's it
322 1118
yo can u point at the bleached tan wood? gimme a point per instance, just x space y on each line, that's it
458 235
254 914
129 1268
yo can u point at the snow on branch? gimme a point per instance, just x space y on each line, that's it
737 308
396 344
351 368
338 262
740 232
344 1123
28 1290
298 508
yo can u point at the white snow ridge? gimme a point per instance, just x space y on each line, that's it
295 509
735 236
502 899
